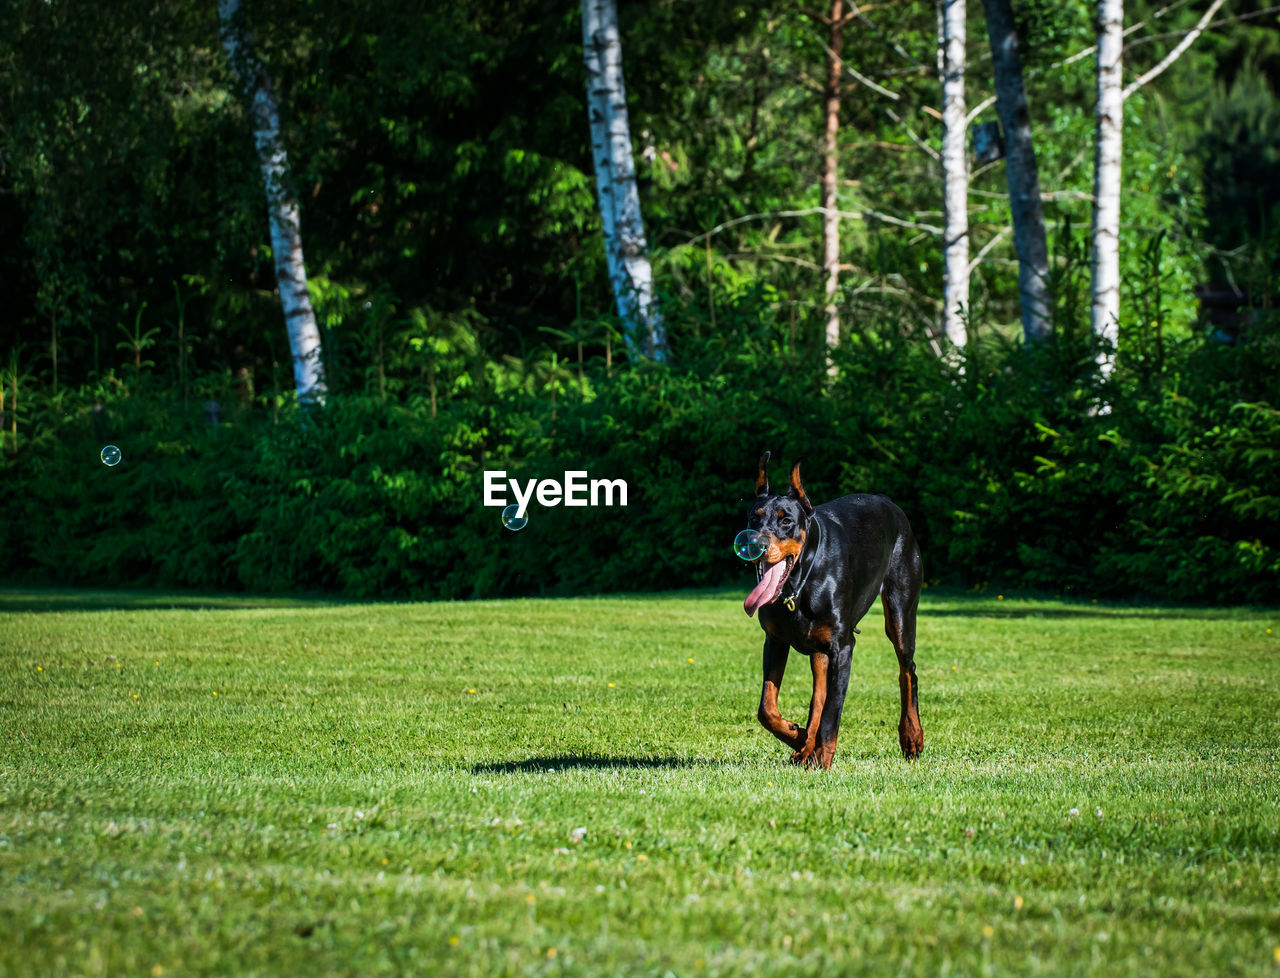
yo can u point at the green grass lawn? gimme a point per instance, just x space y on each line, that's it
580 787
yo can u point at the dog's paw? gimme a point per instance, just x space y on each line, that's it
811 756
911 739
825 754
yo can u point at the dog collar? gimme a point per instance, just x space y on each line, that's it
790 601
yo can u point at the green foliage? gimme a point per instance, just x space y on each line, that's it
440 152
1240 148
440 157
136 340
1051 30
1006 465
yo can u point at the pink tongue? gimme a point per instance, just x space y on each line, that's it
764 590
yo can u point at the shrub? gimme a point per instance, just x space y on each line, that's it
1008 467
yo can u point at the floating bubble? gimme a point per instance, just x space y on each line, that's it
512 519
110 455
750 544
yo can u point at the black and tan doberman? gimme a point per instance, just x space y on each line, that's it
822 570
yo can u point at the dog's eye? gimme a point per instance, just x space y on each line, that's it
787 521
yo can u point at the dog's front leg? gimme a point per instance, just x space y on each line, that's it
775 663
837 685
804 754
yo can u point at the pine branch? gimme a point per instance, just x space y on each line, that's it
809 212
982 253
929 150
1176 53
978 109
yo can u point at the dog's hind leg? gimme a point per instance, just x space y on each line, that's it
900 597
776 652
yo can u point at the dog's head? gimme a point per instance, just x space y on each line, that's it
783 519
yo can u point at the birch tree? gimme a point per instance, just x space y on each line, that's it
282 207
1027 210
830 183
1104 313
625 247
1104 288
955 171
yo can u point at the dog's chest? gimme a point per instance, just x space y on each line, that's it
803 632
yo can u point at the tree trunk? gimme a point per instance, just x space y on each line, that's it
1108 144
282 208
1108 139
955 172
830 175
625 247
1029 238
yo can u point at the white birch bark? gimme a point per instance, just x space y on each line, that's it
625 246
830 176
955 172
282 207
1026 207
1107 167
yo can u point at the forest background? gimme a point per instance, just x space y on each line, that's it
442 161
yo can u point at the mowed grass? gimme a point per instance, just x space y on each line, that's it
580 787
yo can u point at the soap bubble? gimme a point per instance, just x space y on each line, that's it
512 519
110 455
750 544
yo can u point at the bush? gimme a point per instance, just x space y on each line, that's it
1006 464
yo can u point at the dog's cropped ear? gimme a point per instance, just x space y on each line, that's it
762 479
797 489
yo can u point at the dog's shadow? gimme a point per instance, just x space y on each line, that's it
590 762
